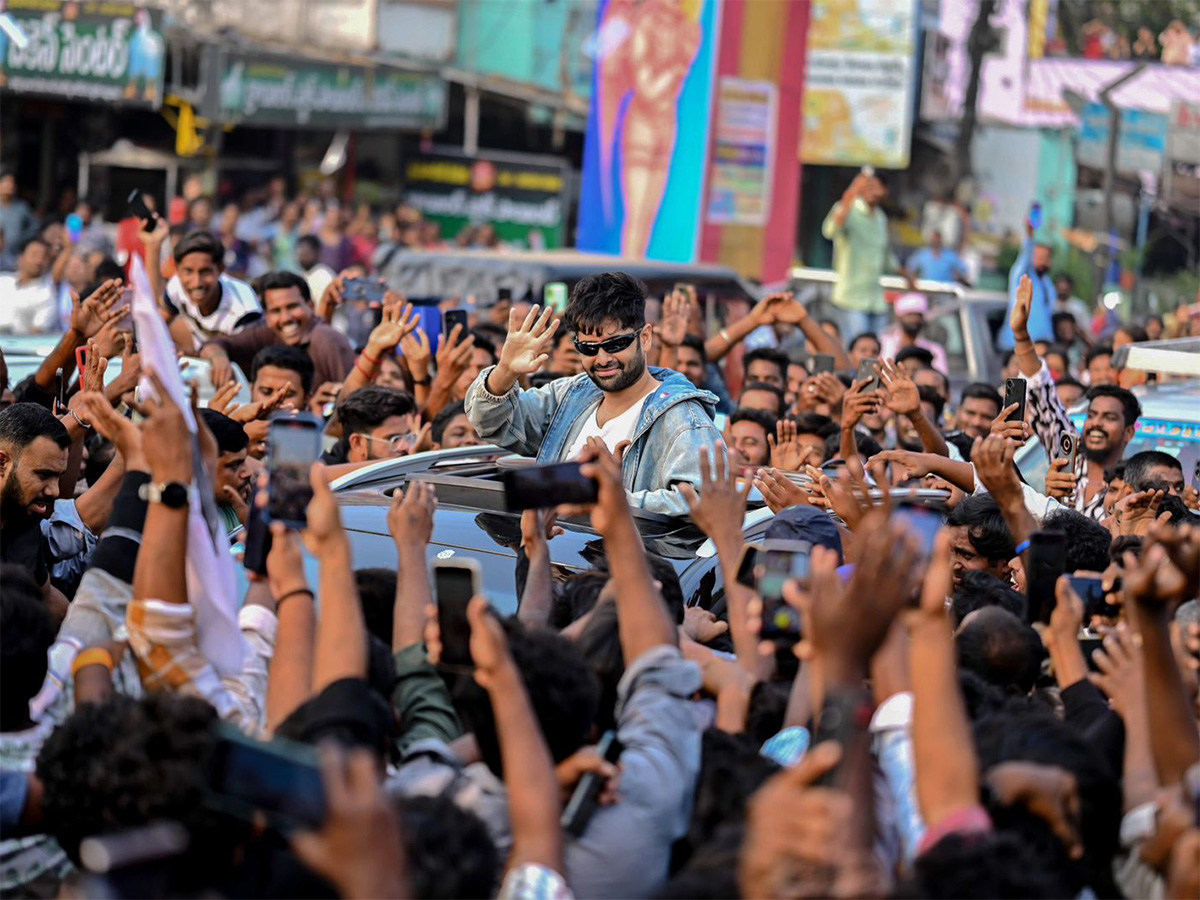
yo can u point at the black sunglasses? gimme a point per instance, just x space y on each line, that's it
610 346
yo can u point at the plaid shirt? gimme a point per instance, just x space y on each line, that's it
1050 422
163 637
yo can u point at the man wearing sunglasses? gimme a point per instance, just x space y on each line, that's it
656 416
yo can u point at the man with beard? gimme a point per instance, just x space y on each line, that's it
656 418
1112 415
1034 261
231 484
33 457
911 310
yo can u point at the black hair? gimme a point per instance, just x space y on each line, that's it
310 240
1068 380
771 355
933 398
985 527
369 407
1095 352
833 322
1138 466
1135 331
1088 541
483 342
1057 317
990 864
498 334
36 239
815 423
979 589
201 242
608 297
1173 506
230 436
1063 276
281 356
925 357
282 280
562 693
978 390
107 268
1131 409
697 344
1125 543
866 445
26 632
101 453
444 417
23 423
377 596
662 572
759 417
1001 649
866 335
448 852
769 388
579 594
1116 471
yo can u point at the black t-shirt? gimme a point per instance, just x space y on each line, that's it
22 544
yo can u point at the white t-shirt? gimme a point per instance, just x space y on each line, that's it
238 300
611 432
30 308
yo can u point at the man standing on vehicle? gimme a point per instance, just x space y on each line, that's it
659 418
859 231
1112 416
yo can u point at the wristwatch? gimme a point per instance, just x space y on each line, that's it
172 494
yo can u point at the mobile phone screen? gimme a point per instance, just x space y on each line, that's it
780 562
454 587
294 443
278 778
539 487
1014 392
366 290
822 362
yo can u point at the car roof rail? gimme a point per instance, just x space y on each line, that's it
1177 356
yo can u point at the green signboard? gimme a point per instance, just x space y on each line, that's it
522 196
304 93
85 50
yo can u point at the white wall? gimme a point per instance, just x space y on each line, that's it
1006 169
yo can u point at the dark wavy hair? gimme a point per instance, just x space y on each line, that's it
608 297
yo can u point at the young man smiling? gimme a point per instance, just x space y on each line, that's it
212 303
659 418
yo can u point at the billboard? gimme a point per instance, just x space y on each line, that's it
1141 139
859 83
107 51
643 170
739 190
522 196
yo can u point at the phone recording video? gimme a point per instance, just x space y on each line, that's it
293 445
365 290
1090 590
139 209
453 317
822 362
278 779
540 487
455 582
1014 392
779 562
868 370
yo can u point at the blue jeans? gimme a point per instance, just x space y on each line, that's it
856 321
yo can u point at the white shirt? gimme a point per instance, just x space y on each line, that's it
30 308
617 429
238 300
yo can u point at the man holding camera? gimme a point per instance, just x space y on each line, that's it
655 419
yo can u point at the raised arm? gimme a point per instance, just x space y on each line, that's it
1026 354
398 321
526 350
453 358
153 241
993 461
537 528
958 473
901 396
290 682
410 521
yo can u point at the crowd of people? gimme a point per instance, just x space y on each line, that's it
926 725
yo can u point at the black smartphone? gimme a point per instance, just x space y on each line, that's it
747 563
452 317
368 290
539 487
503 294
582 805
1068 445
1045 561
60 391
779 562
139 209
293 445
279 779
1091 592
455 582
1014 392
258 541
921 522
868 369
821 362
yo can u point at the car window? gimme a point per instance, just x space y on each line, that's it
946 329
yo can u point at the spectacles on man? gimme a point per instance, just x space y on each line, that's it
396 442
611 345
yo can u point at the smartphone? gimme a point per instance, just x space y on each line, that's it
921 522
139 209
1045 561
278 779
60 391
869 369
1014 392
539 487
582 805
455 582
293 445
821 362
368 290
1090 591
747 563
554 295
1035 216
504 295
1068 444
781 561
74 227
452 317
258 541
81 358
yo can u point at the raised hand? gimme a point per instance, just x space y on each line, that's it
285 562
899 391
326 393
89 316
153 240
1121 675
675 317
1018 319
92 376
993 460
123 434
1019 431
222 398
779 491
529 343
720 507
169 454
786 450
1136 513
398 321
701 625
410 517
611 503
780 307
538 527
324 531
856 404
454 355
1060 482
415 347
828 387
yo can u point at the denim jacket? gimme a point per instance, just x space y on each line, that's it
676 421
